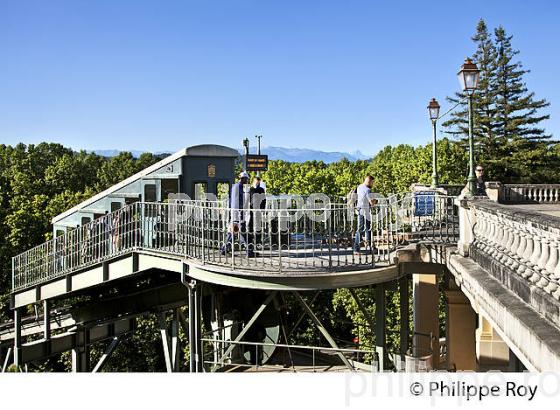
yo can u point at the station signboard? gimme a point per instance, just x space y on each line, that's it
255 162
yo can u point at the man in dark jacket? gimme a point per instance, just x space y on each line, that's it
258 202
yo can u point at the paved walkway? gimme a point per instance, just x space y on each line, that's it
547 209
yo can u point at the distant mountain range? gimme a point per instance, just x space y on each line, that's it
302 155
285 154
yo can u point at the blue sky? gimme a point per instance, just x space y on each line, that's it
334 76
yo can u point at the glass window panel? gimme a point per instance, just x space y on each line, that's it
169 186
150 193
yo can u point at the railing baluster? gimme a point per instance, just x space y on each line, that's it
198 230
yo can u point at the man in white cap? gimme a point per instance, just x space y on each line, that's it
239 205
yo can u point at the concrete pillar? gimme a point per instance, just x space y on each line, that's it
460 332
492 352
426 314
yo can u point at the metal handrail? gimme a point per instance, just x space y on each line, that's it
340 350
275 239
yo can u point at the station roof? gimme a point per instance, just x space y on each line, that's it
204 150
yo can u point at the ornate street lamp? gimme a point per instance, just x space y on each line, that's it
433 110
468 78
246 146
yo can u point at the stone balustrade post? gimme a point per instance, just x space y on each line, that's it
524 270
521 248
516 233
525 243
543 260
467 220
502 238
494 190
535 257
508 251
486 234
551 265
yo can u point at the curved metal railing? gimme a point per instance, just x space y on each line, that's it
280 238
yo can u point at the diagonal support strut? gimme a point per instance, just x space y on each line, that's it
105 356
322 329
246 328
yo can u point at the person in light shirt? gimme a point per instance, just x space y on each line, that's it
239 206
365 200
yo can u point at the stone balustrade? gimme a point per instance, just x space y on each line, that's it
512 193
530 193
525 244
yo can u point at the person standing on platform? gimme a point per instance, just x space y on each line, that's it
364 203
239 207
257 198
480 187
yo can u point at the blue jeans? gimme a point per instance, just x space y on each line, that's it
244 239
364 228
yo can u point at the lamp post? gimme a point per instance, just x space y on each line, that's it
468 77
246 146
433 110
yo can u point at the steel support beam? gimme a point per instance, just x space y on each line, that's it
175 340
192 336
7 359
165 342
246 328
36 350
380 316
80 353
362 307
105 356
199 358
283 327
322 329
195 344
46 320
302 315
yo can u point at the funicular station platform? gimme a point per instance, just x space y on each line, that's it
142 246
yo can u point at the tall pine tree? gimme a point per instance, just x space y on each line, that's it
518 116
483 101
507 132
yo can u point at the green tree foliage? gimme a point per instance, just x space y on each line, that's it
518 116
115 169
484 109
40 181
508 134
